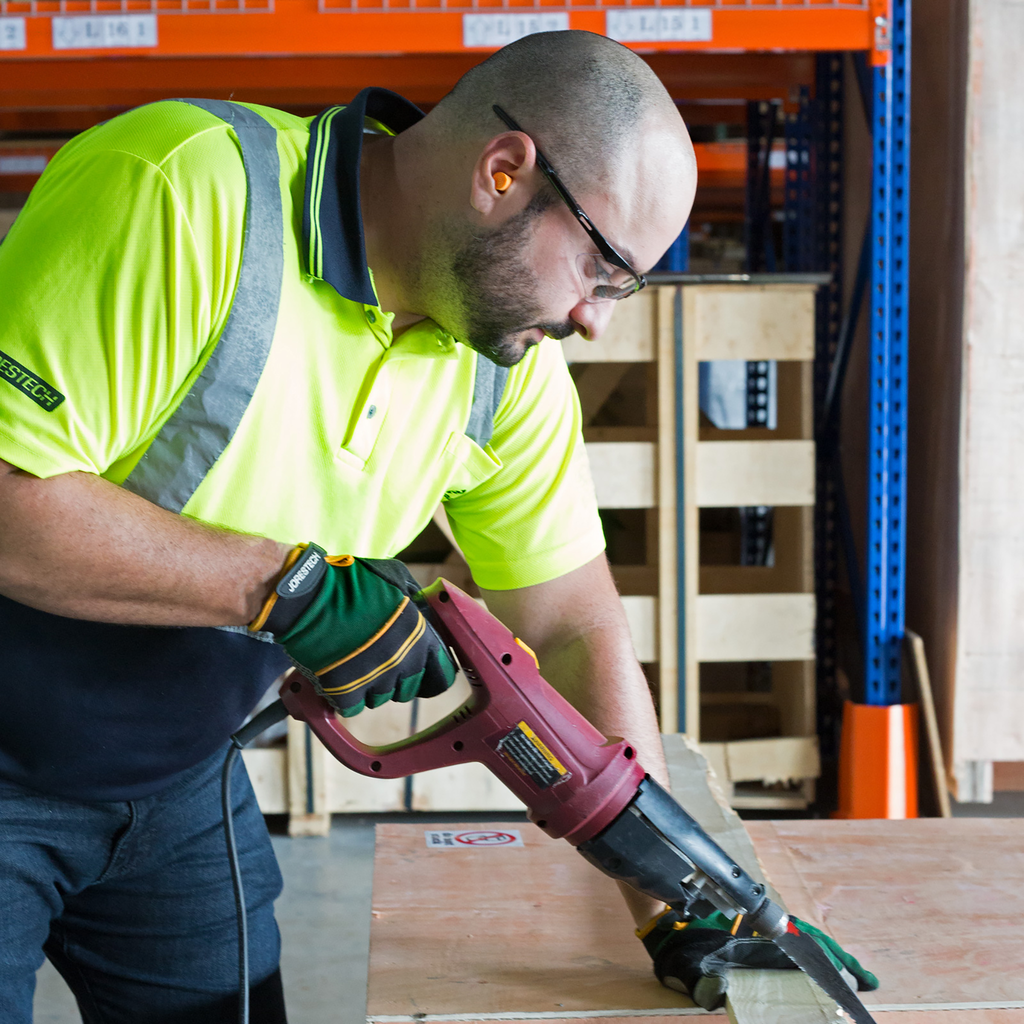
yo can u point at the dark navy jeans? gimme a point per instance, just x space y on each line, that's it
132 902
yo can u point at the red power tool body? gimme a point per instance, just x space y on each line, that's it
575 783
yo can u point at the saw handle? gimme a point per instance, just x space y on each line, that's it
437 746
572 779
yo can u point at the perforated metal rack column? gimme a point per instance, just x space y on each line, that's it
887 413
827 164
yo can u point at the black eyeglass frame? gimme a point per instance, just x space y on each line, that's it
604 247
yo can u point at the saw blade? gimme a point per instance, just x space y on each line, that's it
813 961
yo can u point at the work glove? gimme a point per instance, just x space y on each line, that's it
696 957
353 627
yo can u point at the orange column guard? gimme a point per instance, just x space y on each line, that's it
878 761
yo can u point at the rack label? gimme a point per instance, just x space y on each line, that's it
104 32
494 30
442 839
12 34
659 25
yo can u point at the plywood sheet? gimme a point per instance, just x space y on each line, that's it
975 1016
640 1017
932 906
735 473
470 930
949 1017
988 713
534 933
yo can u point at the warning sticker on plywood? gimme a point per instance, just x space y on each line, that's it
441 839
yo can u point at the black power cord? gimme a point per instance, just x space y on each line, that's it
269 716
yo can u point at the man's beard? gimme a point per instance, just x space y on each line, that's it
493 280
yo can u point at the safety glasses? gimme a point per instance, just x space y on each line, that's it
606 275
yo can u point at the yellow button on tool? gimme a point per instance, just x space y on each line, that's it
529 651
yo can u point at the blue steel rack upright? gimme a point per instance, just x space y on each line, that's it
812 240
887 423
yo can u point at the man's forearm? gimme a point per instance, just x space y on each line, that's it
598 673
579 630
583 672
79 546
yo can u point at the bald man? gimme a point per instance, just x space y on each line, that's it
243 356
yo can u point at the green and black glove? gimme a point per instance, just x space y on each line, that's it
353 627
696 957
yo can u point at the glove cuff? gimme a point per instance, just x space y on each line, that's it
659 928
296 586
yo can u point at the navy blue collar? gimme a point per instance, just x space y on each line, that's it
332 224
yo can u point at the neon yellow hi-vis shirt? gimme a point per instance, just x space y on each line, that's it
116 280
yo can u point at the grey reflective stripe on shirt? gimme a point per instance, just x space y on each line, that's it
488 388
199 430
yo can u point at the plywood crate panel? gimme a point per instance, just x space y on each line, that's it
731 474
752 322
754 627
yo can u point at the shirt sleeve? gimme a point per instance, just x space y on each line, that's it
107 310
536 518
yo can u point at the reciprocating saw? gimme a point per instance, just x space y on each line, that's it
576 784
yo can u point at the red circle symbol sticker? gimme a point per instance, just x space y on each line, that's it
487 838
449 839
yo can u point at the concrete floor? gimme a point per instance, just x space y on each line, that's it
324 915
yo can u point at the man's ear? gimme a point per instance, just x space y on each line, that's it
502 182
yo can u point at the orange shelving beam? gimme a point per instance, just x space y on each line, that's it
226 28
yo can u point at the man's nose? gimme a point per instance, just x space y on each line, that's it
591 318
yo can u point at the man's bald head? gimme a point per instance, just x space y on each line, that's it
480 241
583 98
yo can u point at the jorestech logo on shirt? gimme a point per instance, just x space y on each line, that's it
29 383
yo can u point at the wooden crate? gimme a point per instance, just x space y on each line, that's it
744 613
734 613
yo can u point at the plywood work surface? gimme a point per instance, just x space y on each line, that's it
933 906
485 930
883 1017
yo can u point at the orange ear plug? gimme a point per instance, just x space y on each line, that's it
502 181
